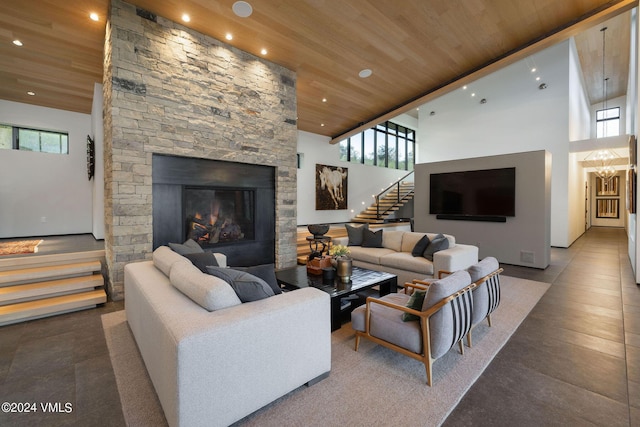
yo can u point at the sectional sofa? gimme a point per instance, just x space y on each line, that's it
394 255
213 366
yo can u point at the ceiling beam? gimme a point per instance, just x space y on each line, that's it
556 36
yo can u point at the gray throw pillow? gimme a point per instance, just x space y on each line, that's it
439 243
188 247
266 272
202 260
355 234
372 239
247 286
421 246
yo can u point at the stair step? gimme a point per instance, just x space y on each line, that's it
49 288
23 311
33 274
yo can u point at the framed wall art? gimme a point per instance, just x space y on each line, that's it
331 187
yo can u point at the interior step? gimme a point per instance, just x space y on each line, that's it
23 311
49 288
33 274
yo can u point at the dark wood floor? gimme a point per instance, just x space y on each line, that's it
575 360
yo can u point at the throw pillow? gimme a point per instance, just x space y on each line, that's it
439 243
188 247
355 234
211 293
202 260
372 239
266 272
415 302
247 286
421 246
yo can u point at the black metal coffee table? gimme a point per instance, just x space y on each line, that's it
362 279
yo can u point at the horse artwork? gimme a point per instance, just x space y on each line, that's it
331 187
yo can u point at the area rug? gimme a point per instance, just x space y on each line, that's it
374 386
19 247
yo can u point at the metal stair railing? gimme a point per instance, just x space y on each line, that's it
399 197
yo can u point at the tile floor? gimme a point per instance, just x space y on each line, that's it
575 360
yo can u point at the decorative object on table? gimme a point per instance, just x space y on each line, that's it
344 270
337 252
317 262
331 187
328 274
318 230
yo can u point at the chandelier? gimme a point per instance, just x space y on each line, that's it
603 160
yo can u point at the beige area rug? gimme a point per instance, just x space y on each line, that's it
19 247
374 386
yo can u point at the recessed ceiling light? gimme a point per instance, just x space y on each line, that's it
473 94
324 99
17 42
242 9
365 73
322 124
229 36
533 70
464 87
94 16
185 17
31 93
263 51
537 79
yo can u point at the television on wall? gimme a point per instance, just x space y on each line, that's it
476 194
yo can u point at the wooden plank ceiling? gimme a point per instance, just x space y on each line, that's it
412 47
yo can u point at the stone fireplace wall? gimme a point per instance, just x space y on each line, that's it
171 90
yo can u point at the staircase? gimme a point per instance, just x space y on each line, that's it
46 285
387 202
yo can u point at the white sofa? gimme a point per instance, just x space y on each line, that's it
212 368
395 256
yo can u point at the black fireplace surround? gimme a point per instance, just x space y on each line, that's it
226 207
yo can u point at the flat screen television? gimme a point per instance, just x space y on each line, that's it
489 192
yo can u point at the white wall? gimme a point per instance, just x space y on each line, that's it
517 117
580 124
41 193
363 181
97 132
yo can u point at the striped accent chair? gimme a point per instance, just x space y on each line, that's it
486 295
443 321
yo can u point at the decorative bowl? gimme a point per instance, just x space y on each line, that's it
318 230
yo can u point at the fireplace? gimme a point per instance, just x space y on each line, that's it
214 216
226 207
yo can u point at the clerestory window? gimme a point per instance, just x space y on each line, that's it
25 139
386 145
608 122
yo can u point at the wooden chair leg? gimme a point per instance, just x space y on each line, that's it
489 319
428 364
357 342
461 345
469 339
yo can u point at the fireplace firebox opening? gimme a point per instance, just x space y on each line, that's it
214 216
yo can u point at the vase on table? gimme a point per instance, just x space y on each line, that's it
344 269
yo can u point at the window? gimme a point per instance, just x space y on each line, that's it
17 138
386 145
608 122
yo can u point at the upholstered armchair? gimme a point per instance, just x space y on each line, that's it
486 295
441 322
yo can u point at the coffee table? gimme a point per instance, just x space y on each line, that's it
362 279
